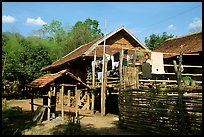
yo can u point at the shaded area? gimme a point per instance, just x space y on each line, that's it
14 121
158 111
69 128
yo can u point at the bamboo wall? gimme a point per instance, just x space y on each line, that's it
157 112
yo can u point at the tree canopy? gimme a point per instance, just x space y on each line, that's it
154 40
24 57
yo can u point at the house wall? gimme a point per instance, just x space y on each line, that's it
195 60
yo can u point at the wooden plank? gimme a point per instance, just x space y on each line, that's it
68 85
171 65
69 98
144 80
40 111
39 105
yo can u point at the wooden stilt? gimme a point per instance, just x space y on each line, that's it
49 101
121 68
93 70
62 102
77 101
88 101
92 102
69 96
54 91
103 89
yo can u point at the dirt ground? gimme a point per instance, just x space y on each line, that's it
91 124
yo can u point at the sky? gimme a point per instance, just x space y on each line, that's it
141 18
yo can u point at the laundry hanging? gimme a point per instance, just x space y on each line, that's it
157 63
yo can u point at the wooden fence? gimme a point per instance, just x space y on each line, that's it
157 111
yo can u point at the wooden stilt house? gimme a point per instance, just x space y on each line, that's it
82 62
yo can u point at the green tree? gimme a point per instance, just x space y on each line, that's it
23 58
54 31
154 40
82 33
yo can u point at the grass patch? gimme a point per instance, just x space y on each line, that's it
14 120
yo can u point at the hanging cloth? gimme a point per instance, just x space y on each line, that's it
157 63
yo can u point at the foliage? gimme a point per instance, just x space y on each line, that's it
82 33
24 57
154 40
187 78
11 117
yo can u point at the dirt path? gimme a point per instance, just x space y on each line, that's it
90 124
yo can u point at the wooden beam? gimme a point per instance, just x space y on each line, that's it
68 85
103 89
77 101
120 68
92 102
49 101
88 101
62 102
54 91
93 70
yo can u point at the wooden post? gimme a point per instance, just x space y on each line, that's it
54 91
77 101
103 89
121 82
180 91
49 101
69 97
32 102
180 96
120 68
88 101
92 102
136 71
93 70
62 102
104 72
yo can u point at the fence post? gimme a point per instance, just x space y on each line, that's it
180 92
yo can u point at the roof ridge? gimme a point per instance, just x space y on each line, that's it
186 35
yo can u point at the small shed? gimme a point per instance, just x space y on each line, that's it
54 86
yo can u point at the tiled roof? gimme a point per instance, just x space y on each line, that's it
45 79
192 43
49 78
89 47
